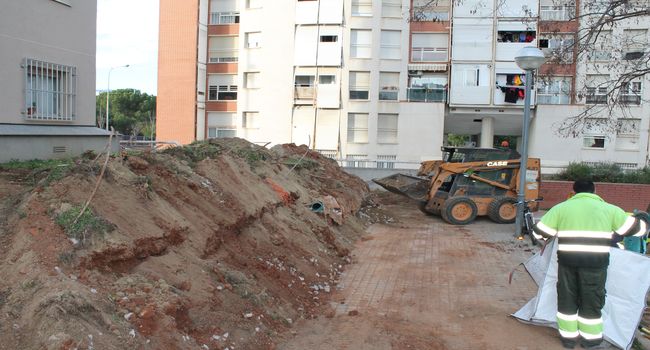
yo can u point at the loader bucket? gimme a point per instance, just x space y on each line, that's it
411 186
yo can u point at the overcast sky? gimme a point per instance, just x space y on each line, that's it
127 33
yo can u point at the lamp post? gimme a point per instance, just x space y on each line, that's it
108 93
529 58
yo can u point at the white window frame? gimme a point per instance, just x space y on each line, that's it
386 161
50 91
438 13
359 88
387 91
253 45
218 129
592 139
223 18
558 92
365 46
390 51
357 129
356 160
602 48
250 120
429 53
560 46
251 83
631 93
387 135
388 7
358 5
221 91
596 94
253 4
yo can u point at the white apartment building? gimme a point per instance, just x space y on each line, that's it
47 79
359 81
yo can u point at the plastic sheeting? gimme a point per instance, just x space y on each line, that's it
627 284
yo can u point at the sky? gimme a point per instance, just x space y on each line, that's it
127 33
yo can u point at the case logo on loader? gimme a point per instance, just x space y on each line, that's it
500 163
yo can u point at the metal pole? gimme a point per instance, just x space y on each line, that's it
519 221
108 96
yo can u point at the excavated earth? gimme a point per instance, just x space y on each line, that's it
209 246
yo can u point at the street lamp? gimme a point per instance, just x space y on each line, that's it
529 58
108 93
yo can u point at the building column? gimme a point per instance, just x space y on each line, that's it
487 132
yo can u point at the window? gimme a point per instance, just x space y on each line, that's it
359 85
327 79
221 133
387 128
557 47
391 8
251 120
361 7
386 161
253 40
329 38
426 10
223 49
254 4
630 93
554 91
556 10
50 91
429 47
593 142
222 93
597 88
635 42
388 86
224 17
390 44
357 127
361 43
602 47
252 80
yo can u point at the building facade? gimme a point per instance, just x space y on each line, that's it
379 83
47 79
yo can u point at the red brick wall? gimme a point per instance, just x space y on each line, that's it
626 196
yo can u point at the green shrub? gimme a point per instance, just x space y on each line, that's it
85 226
603 172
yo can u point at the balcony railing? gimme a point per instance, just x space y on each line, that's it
388 94
429 54
223 56
421 94
224 17
557 13
302 92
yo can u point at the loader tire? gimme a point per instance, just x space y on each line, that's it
423 208
503 210
459 210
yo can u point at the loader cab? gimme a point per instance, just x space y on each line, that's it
460 184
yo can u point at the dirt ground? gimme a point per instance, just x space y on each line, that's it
221 245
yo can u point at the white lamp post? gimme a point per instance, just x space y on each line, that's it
108 93
529 58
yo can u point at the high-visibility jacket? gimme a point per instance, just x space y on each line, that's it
584 225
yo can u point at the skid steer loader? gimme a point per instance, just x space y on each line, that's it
467 183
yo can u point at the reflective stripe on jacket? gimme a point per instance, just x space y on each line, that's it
584 225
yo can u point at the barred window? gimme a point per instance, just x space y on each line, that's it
50 91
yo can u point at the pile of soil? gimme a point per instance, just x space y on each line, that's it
216 245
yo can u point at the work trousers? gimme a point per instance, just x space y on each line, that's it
580 300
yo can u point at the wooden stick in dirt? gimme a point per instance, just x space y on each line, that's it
101 175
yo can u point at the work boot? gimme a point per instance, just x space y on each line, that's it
569 343
593 344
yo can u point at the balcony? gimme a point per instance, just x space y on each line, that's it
557 13
422 94
220 18
429 54
223 56
388 93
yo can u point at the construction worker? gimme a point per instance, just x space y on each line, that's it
584 225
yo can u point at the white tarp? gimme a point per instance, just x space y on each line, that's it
627 284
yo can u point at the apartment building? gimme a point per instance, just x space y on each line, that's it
47 79
361 81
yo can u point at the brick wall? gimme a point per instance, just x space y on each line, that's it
626 196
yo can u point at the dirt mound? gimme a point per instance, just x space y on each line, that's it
220 244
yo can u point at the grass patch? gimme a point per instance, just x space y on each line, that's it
49 170
87 225
195 152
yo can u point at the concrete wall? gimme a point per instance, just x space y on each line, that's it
41 147
49 31
626 196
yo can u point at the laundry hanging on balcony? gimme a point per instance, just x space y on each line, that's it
513 93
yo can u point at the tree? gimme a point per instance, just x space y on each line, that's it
131 112
620 56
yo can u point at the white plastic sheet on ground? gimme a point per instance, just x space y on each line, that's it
628 281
